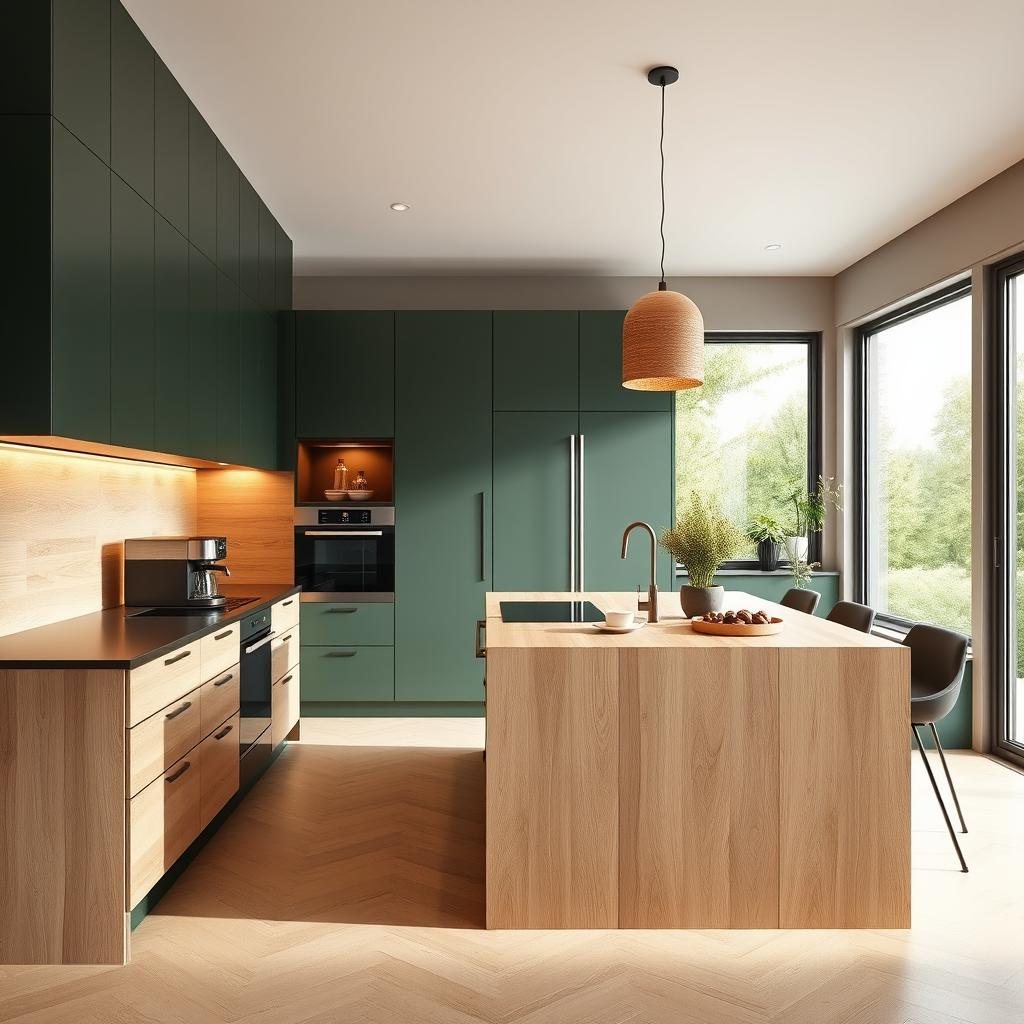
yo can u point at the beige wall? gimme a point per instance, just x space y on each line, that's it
63 520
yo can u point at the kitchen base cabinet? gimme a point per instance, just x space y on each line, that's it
218 769
284 700
348 624
348 674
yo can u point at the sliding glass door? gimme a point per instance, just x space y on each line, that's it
1006 474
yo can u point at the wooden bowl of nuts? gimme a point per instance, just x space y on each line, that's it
741 623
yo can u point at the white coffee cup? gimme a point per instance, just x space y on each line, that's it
619 620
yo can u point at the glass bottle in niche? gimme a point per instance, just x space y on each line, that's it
360 483
341 476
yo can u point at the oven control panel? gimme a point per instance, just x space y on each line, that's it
344 516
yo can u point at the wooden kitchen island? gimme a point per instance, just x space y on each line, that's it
665 779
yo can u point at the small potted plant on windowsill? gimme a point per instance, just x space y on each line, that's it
767 533
702 539
810 509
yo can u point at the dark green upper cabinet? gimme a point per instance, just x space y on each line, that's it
442 475
248 239
345 374
80 326
132 366
25 50
171 326
202 184
601 367
171 148
283 273
536 360
259 387
203 363
227 213
268 259
229 365
81 71
131 102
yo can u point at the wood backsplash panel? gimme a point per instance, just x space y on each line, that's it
254 509
63 521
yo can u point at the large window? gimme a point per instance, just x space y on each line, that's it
914 435
751 435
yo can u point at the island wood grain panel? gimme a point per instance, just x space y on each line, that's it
255 510
699 789
62 784
844 774
552 789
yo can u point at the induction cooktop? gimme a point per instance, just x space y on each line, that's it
550 611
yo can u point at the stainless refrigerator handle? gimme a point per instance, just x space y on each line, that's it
344 533
262 643
582 516
572 513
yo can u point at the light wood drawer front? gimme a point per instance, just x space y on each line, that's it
218 758
284 706
285 614
219 651
218 699
284 653
164 819
162 681
156 743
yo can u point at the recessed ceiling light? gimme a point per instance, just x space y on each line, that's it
399 207
773 247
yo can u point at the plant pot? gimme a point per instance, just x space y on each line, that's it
699 600
768 555
796 547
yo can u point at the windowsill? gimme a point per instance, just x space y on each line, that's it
681 573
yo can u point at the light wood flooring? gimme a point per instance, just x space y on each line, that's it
348 888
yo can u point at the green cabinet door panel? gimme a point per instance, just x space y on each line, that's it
170 170
132 345
442 484
81 71
347 674
268 258
627 477
25 49
248 239
132 63
339 624
259 384
203 364
202 184
171 327
531 503
536 360
80 325
345 374
283 271
601 367
286 447
227 213
226 392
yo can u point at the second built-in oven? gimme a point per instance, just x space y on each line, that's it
343 553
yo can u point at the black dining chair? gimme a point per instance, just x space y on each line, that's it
855 616
801 600
937 660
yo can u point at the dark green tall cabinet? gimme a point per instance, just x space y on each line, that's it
133 246
442 489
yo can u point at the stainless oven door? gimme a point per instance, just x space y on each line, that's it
345 559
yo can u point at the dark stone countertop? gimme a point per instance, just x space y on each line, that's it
113 639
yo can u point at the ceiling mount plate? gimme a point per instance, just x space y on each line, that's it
663 75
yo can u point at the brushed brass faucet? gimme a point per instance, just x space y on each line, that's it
651 604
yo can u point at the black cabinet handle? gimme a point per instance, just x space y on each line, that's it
341 611
177 658
342 654
285 639
179 711
178 774
224 635
287 679
284 604
223 732
483 538
225 679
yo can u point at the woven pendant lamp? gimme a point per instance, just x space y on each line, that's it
663 333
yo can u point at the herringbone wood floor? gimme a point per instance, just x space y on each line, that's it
348 888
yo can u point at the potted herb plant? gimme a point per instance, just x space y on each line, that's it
810 509
767 533
702 539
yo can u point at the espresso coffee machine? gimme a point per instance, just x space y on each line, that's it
174 572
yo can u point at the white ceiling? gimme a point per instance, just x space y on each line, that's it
524 133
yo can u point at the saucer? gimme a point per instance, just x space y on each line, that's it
605 628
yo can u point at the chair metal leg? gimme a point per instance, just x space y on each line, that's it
938 796
949 778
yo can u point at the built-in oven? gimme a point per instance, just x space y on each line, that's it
343 553
255 678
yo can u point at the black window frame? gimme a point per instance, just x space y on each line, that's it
861 399
1001 485
812 339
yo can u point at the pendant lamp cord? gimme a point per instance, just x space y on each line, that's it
662 147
